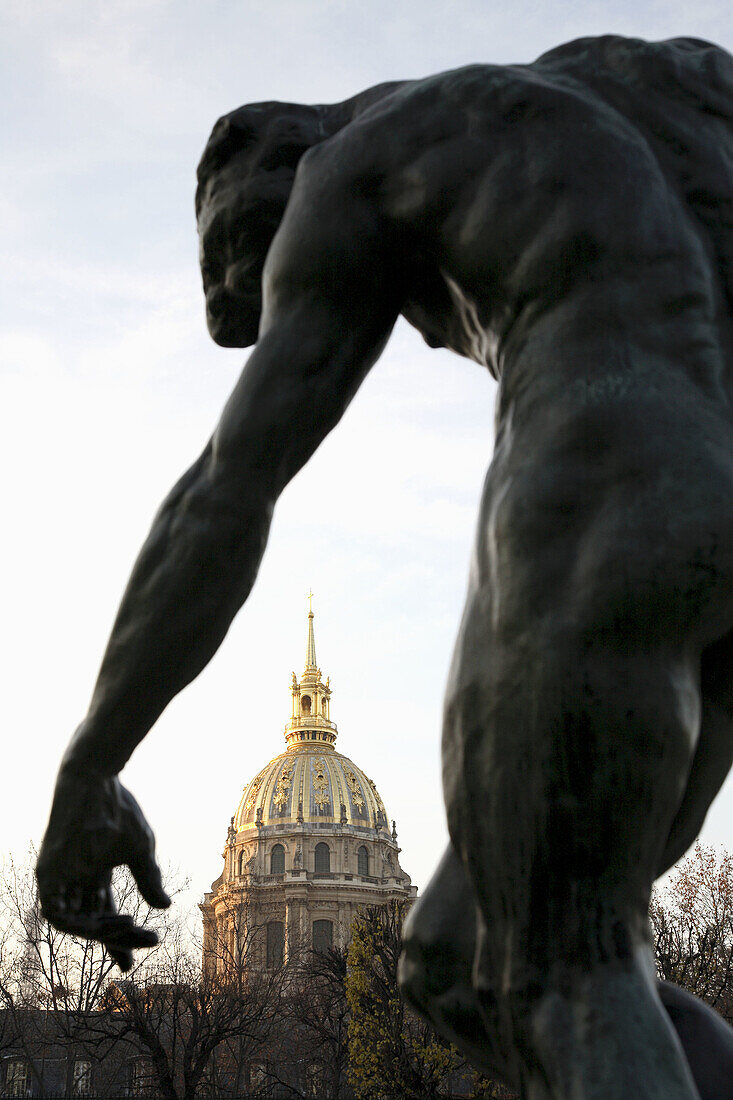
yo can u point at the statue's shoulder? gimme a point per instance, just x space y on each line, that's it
414 118
426 105
392 120
679 69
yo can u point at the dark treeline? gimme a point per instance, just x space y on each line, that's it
325 1026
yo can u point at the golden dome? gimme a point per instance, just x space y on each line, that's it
310 782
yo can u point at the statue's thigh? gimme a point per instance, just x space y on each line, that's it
575 706
439 933
436 967
574 757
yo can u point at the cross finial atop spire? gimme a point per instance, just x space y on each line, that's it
310 600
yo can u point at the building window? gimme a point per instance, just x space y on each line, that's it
141 1077
362 857
81 1084
277 860
322 935
305 704
275 944
16 1082
241 863
323 858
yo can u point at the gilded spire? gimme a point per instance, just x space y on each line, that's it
310 650
310 718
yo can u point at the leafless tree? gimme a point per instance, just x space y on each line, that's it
8 1024
200 1026
53 985
692 926
309 1051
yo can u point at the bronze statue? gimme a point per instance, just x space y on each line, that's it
569 226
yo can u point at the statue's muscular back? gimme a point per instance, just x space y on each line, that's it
500 211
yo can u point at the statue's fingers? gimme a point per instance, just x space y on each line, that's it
62 909
53 907
121 932
97 899
73 923
150 881
115 931
120 956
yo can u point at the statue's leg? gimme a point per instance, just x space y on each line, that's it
436 967
565 760
436 978
706 1038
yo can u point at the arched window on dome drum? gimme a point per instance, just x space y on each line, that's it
305 704
362 857
323 858
240 864
277 860
322 935
275 944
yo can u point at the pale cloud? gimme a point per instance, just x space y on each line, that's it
144 287
109 385
27 351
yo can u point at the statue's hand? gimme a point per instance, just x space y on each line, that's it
95 826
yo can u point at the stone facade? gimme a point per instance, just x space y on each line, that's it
309 844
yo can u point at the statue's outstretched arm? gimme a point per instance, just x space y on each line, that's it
194 572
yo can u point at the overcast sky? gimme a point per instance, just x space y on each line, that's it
111 386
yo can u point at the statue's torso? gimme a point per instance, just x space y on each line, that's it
551 236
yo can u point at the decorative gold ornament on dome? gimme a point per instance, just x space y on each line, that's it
254 788
283 786
375 792
321 794
355 789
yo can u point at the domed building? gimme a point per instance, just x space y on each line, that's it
309 844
